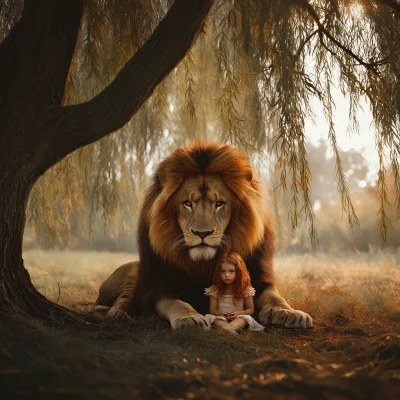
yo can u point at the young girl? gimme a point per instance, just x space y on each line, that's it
231 296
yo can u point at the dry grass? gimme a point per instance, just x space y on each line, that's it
72 277
353 351
363 286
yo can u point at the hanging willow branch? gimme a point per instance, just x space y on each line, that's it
249 80
322 31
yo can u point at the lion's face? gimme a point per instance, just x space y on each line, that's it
204 211
203 197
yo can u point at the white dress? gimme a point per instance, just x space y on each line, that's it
225 303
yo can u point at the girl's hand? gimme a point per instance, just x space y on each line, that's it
225 314
233 314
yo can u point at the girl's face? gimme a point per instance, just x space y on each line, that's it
228 273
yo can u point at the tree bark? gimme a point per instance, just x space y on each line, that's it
34 62
393 4
85 123
37 131
17 294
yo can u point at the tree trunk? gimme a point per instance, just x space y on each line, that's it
34 64
17 294
37 131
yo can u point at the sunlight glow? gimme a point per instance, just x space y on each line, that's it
317 205
356 10
362 184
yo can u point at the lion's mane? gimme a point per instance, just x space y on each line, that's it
166 269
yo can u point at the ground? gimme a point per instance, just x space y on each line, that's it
353 351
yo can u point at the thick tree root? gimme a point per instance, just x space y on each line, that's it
27 304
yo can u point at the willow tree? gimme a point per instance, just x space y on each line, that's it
39 128
74 71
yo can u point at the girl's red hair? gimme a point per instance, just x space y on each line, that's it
242 275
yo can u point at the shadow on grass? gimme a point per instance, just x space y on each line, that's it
144 359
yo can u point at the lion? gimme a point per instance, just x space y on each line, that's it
204 200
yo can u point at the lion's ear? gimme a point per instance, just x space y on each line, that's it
173 170
170 182
162 176
248 175
167 172
170 176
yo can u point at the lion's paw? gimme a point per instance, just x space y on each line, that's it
118 314
101 309
190 319
289 318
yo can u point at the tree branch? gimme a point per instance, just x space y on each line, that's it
36 57
304 4
303 44
393 4
6 50
68 128
54 27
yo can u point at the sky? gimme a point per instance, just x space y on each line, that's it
363 142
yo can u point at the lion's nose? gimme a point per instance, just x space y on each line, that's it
203 234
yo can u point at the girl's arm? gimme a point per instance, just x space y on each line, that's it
249 304
213 307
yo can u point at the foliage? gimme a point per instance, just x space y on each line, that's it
248 80
333 232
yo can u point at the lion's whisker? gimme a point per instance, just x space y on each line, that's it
225 240
180 242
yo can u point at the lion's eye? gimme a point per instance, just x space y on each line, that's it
219 204
187 203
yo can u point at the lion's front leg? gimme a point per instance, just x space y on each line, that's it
181 314
116 293
275 310
119 309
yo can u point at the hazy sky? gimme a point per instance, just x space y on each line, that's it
364 141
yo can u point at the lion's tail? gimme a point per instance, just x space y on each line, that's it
100 308
98 313
98 301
